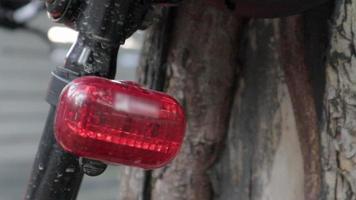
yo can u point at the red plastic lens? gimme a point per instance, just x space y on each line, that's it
119 122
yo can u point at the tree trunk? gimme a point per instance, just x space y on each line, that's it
270 104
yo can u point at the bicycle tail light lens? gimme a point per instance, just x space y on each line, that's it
119 123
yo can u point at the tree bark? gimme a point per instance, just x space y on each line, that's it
339 128
270 104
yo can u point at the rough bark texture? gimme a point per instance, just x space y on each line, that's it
262 144
202 79
339 139
266 113
259 127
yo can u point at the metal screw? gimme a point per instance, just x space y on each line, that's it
92 167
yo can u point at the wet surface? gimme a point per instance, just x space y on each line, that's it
25 65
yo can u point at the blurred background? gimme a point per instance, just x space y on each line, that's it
25 64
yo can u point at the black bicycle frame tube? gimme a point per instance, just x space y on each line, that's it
56 174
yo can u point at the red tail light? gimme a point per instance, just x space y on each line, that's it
119 122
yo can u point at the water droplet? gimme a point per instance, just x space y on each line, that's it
70 170
41 167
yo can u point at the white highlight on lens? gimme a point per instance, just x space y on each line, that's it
134 105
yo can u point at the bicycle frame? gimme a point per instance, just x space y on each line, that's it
57 174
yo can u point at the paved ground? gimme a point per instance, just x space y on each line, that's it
24 72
